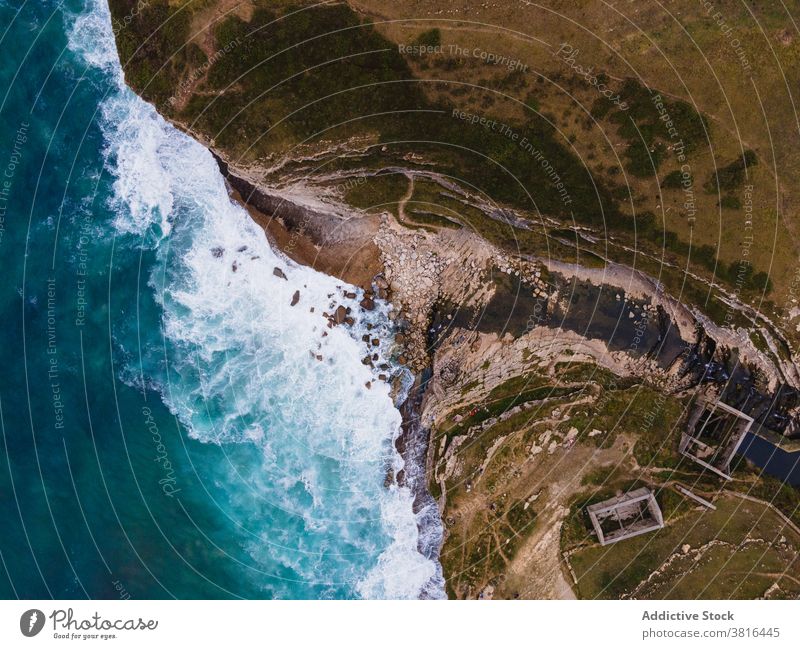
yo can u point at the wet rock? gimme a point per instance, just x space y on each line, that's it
350 295
217 252
399 339
376 342
349 321
279 273
365 338
234 266
339 315
295 298
368 304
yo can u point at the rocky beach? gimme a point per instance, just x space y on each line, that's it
547 330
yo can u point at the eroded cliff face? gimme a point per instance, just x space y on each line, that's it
545 372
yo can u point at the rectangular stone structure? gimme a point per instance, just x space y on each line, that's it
715 432
625 516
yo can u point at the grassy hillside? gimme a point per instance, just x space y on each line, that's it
516 119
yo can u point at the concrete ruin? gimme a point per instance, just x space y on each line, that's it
714 433
626 516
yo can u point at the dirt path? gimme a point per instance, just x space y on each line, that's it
204 23
536 571
401 206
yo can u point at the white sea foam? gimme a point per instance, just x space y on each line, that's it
244 363
90 36
143 165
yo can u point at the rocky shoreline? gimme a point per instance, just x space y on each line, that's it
516 356
300 233
331 243
413 444
447 289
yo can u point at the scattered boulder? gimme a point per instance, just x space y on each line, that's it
279 273
368 304
217 251
295 298
339 315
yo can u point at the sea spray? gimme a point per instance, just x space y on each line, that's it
309 430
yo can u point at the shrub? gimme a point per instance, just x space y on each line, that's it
430 38
672 180
731 176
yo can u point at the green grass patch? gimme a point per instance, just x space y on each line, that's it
728 570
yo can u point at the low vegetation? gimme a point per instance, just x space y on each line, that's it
742 550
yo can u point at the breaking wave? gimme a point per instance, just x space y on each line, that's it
308 429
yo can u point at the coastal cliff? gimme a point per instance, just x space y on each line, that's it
557 345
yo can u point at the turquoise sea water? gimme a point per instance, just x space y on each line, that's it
167 428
